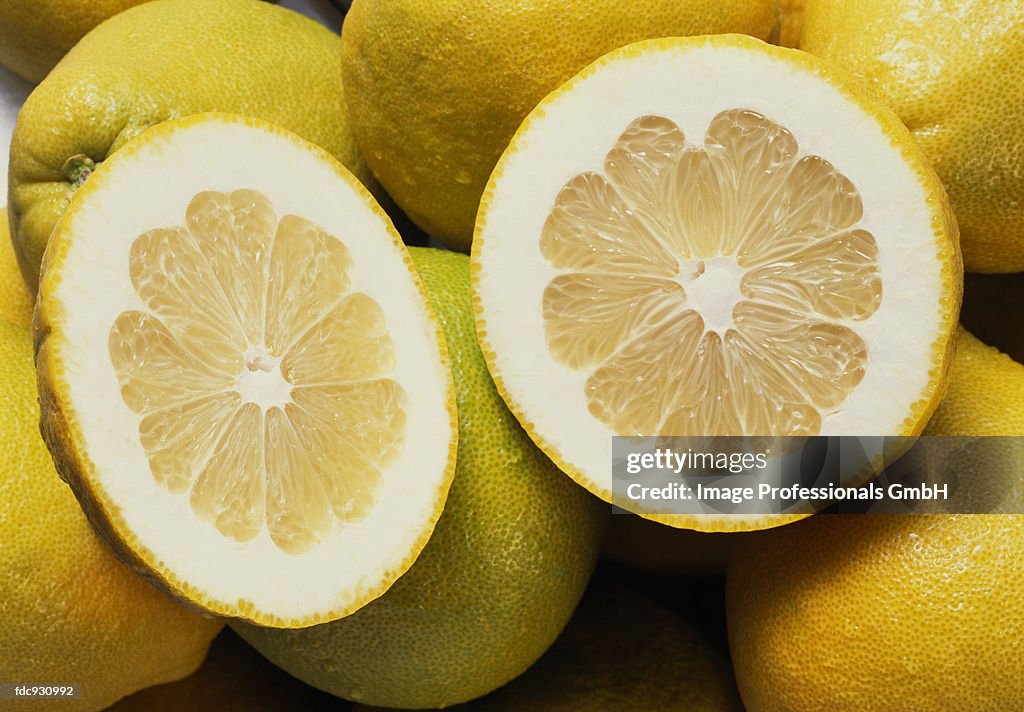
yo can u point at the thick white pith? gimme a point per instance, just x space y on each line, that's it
571 135
151 188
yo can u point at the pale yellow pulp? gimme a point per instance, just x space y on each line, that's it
257 373
711 289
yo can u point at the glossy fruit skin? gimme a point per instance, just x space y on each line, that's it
791 22
36 34
498 580
163 60
923 607
437 88
73 612
16 301
942 221
620 651
951 71
188 144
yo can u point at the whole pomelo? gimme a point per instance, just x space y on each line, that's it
437 88
72 613
985 396
951 69
16 302
620 651
35 34
895 612
501 574
162 60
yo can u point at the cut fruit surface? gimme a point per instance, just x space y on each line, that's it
240 376
672 244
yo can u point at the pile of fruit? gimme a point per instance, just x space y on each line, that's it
244 400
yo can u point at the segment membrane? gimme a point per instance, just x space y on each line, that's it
298 512
235 292
592 315
592 228
178 439
308 270
624 239
350 343
234 232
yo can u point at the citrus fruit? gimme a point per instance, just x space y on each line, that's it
620 651
951 70
499 578
436 89
73 614
163 60
986 398
16 301
986 393
924 607
240 376
792 20
671 246
35 34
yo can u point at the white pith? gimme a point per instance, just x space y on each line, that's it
713 289
570 135
151 188
261 381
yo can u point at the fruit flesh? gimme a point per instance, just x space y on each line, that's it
437 89
714 289
72 611
927 605
501 574
691 81
258 374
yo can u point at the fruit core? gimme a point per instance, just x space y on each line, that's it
261 381
712 288
259 375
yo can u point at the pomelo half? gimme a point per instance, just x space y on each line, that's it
240 376
713 236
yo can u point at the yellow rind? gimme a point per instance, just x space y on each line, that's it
71 611
63 434
16 301
514 549
951 72
791 22
435 89
36 34
162 60
924 603
943 225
